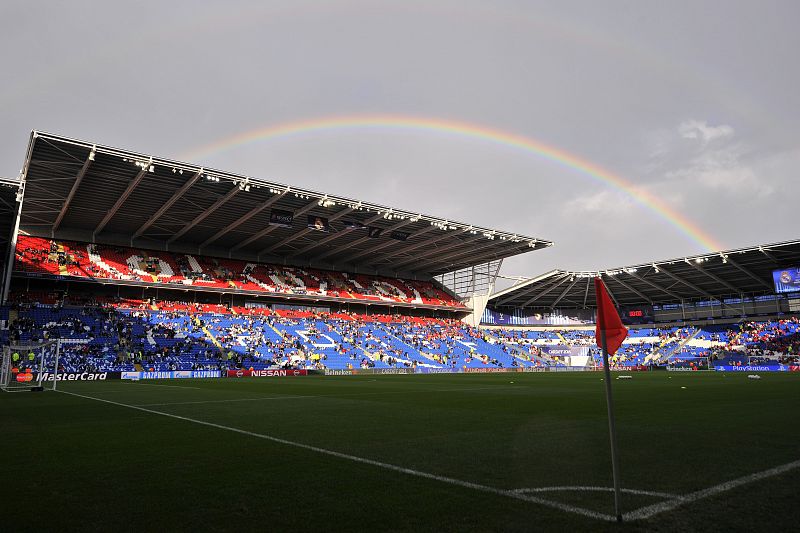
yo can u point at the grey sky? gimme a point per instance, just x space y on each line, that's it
695 102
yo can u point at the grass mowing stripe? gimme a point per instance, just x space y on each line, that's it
452 481
658 508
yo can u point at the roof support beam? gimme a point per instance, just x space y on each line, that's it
269 229
72 191
682 281
521 282
163 209
769 255
696 288
339 249
241 220
586 291
561 280
202 216
611 294
632 289
528 286
435 251
470 253
563 293
121 200
332 237
300 233
385 244
657 287
749 274
413 247
719 280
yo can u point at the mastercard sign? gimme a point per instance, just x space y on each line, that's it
24 377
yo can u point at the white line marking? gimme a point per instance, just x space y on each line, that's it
386 466
582 488
658 508
225 401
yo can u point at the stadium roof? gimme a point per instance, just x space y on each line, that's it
712 276
79 190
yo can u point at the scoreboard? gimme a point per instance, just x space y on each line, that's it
640 314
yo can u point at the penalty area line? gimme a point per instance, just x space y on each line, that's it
583 488
658 508
386 466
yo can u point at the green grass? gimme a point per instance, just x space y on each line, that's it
79 464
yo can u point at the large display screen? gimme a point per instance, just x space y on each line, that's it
642 314
787 279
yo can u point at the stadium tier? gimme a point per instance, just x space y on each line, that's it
133 335
66 259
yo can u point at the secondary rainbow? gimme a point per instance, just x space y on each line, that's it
573 162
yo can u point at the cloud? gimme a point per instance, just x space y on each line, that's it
701 130
604 201
698 156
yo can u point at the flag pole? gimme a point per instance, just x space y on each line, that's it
612 427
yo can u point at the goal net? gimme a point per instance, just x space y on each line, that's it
689 363
29 367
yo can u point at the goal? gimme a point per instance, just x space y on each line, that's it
25 367
689 363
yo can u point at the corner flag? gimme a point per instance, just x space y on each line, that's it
610 333
608 320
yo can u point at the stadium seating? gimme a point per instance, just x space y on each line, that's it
128 334
80 260
103 333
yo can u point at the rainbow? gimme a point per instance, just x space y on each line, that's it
561 157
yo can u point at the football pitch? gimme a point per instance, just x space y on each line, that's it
489 452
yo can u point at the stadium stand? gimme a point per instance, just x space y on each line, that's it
350 291
106 334
133 335
67 259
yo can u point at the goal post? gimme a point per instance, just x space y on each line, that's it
689 363
30 367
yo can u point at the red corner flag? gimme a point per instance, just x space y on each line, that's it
608 320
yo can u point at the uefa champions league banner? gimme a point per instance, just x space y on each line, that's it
172 374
